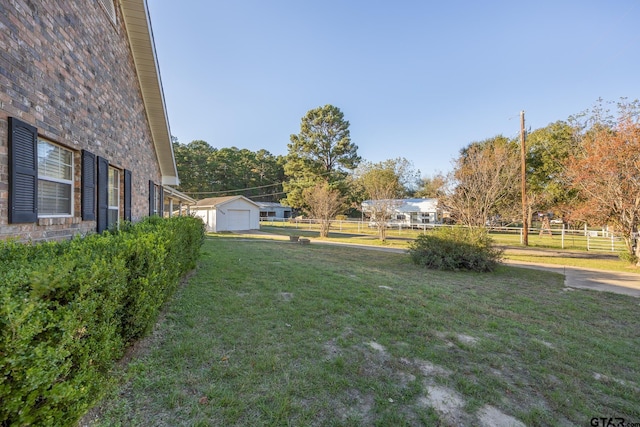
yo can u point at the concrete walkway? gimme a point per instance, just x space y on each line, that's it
574 277
584 278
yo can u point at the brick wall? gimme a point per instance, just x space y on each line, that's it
68 70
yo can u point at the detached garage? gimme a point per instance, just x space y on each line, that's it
230 213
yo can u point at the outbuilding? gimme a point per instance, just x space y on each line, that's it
272 210
230 213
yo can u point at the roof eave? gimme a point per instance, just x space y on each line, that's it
138 24
178 195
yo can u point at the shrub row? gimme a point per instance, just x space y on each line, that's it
69 309
455 248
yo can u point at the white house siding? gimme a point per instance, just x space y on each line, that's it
206 216
411 212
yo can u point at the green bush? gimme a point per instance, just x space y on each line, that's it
455 248
68 310
628 257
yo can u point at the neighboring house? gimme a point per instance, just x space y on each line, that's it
273 210
231 213
407 212
84 135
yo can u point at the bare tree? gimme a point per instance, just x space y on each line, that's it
323 203
382 185
485 181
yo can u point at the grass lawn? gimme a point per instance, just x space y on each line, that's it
595 263
271 333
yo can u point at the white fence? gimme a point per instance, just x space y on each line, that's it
603 243
347 225
591 240
596 240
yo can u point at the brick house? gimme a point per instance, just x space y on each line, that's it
84 135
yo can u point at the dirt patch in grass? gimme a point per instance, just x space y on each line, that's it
355 406
489 416
286 296
448 403
429 370
377 347
466 339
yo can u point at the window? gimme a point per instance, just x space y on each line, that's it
109 189
55 180
113 197
156 197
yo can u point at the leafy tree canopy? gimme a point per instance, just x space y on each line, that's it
432 186
548 149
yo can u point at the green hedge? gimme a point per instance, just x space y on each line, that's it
69 309
455 248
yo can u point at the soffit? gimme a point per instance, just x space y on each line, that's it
138 24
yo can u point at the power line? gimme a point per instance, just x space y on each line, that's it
246 189
232 191
267 195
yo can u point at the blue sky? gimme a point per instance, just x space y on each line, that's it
415 79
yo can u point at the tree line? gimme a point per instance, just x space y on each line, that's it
206 171
583 169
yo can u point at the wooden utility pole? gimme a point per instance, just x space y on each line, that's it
523 177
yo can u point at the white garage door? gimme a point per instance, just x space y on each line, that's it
239 219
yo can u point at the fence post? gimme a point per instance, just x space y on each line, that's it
612 245
588 239
521 240
563 235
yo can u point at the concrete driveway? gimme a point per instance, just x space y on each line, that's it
584 278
